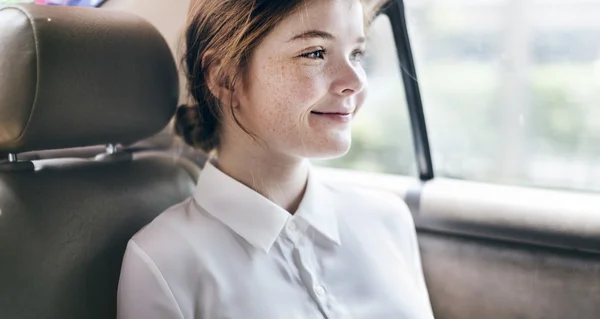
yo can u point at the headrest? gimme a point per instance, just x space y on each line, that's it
73 77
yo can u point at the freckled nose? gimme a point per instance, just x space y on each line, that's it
349 80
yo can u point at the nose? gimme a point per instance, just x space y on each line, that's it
350 79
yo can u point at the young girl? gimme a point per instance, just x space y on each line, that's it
276 82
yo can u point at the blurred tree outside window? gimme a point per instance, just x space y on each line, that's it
511 89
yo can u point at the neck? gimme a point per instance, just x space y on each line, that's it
280 179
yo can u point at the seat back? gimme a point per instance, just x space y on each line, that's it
75 77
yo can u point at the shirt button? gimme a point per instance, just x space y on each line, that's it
292 227
320 291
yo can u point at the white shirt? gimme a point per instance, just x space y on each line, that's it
229 252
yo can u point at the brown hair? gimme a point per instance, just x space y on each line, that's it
232 29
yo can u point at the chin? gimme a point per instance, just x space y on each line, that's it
328 148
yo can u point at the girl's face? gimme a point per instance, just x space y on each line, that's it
305 83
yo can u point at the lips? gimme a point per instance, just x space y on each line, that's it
338 110
331 113
334 117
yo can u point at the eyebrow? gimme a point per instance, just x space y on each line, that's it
311 34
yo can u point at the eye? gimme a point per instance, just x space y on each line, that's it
358 55
318 54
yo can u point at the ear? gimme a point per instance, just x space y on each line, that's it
218 80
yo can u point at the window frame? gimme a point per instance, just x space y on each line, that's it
397 15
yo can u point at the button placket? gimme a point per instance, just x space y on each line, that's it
294 231
292 227
319 291
322 300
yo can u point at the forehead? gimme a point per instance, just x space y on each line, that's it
339 17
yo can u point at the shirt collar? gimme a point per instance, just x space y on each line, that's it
317 209
254 217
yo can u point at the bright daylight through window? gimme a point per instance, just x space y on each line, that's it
510 89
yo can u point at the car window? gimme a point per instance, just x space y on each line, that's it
381 134
511 89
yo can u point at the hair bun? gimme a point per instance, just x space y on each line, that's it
187 121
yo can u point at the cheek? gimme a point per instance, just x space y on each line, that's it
301 86
285 93
361 97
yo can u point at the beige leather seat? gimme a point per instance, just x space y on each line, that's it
73 77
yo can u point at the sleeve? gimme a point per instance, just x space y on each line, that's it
143 291
416 260
409 229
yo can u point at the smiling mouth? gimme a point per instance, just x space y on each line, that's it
336 117
331 113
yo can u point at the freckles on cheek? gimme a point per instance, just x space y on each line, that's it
309 85
285 91
272 97
290 87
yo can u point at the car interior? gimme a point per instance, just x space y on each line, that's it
87 158
66 219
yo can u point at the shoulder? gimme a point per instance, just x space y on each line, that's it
370 209
171 240
160 258
167 225
366 201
